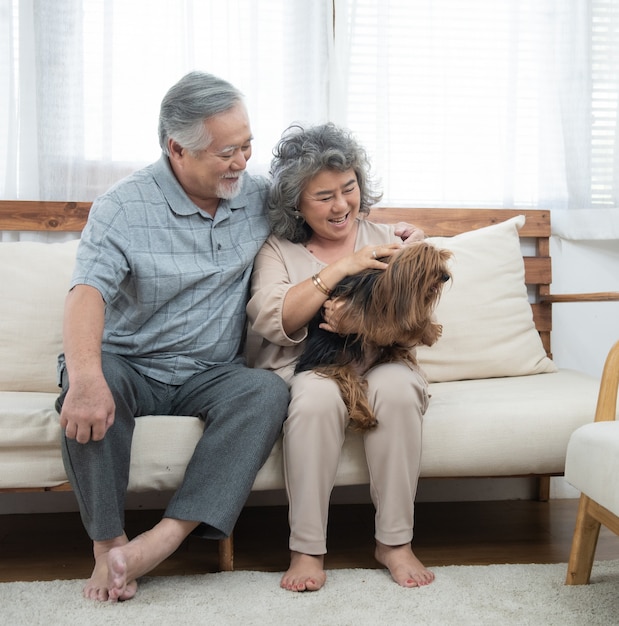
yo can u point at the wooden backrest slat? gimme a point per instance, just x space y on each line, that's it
537 270
542 316
43 216
449 222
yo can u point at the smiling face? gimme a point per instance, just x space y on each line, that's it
215 173
330 204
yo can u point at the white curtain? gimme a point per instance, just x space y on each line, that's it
82 81
498 103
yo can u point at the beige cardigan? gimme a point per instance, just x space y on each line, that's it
279 266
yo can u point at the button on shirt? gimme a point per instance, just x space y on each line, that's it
174 279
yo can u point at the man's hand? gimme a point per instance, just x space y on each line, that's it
87 411
88 408
409 233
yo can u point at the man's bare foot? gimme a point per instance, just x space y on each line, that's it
306 572
126 563
96 587
405 568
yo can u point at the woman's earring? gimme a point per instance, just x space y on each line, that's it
297 214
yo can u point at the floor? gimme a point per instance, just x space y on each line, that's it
54 546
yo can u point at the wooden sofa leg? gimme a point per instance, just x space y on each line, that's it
543 488
584 543
226 554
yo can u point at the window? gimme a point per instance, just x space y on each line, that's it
485 103
479 103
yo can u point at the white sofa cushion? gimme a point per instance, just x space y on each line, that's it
488 328
35 279
505 426
592 463
29 441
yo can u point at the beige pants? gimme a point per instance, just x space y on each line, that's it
313 437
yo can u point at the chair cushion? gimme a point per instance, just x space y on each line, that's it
592 463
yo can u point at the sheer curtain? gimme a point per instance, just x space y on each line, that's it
479 103
496 103
82 81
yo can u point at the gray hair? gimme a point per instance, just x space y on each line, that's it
301 154
194 98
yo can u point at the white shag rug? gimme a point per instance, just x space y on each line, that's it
478 595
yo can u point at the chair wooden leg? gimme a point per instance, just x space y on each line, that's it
226 554
584 543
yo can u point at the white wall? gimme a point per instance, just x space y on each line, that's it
583 333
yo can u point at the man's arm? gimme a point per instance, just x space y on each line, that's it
88 409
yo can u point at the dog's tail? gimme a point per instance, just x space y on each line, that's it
353 390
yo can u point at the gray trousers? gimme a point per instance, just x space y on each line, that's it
243 410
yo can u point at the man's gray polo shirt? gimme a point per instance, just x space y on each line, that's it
174 279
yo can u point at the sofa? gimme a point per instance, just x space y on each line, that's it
500 407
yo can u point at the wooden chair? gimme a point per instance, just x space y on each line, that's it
592 466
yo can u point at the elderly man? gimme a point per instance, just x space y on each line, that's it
154 323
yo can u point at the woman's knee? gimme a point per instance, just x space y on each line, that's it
393 387
316 399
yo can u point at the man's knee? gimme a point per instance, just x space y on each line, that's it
269 389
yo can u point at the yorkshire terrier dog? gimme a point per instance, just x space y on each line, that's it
391 311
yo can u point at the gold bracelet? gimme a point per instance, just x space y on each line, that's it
320 285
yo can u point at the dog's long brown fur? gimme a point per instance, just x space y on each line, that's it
392 311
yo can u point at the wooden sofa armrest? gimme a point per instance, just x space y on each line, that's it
609 385
601 296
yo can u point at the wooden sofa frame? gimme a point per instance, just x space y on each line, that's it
46 216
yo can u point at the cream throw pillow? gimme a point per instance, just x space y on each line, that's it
488 329
34 280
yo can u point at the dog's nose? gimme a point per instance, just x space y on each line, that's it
445 277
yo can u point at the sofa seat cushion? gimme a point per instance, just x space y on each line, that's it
496 427
505 426
30 454
592 464
29 440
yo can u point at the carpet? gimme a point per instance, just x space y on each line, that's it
492 594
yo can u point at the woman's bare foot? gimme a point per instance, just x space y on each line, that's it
306 572
405 568
96 587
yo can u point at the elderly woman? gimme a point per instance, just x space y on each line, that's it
321 192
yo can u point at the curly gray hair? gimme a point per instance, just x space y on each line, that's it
301 154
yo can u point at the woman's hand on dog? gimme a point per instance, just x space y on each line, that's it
368 257
331 314
303 300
